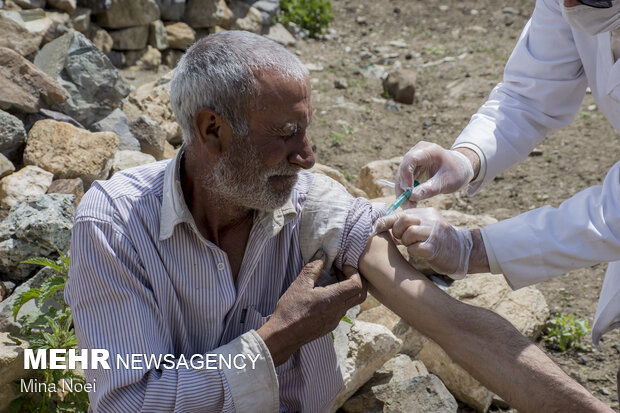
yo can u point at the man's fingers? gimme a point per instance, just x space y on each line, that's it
385 223
422 250
311 271
415 233
348 289
404 221
424 191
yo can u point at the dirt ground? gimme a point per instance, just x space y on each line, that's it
458 49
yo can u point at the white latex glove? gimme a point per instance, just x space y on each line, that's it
428 235
440 171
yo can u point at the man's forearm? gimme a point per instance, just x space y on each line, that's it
482 342
478 260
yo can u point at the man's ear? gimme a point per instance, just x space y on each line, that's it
210 128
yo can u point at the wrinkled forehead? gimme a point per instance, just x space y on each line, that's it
277 93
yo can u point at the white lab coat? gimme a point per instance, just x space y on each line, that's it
544 84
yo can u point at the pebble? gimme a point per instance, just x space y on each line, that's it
605 391
473 12
392 106
583 360
340 84
599 357
443 7
592 108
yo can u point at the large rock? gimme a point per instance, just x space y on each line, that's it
251 22
526 309
80 20
24 87
73 187
28 182
402 385
400 85
150 59
412 340
127 13
372 172
67 5
129 159
336 175
60 25
96 88
131 38
11 369
69 152
278 33
154 99
12 136
171 10
370 346
117 122
208 13
158 38
6 166
97 6
34 228
150 136
16 36
180 35
30 4
100 38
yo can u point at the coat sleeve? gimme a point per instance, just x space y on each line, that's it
542 243
543 86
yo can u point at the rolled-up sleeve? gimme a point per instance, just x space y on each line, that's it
115 309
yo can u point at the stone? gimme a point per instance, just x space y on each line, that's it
12 136
128 159
395 370
278 33
11 369
67 5
100 38
128 13
24 87
336 175
341 335
30 4
371 173
341 84
15 36
117 122
97 6
370 346
169 151
180 35
35 227
526 309
81 20
60 25
371 302
171 57
28 182
412 340
208 13
6 166
32 118
269 7
252 22
150 136
131 38
400 85
150 59
417 395
171 10
73 187
94 85
157 35
69 152
154 99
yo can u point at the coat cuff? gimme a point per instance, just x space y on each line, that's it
252 389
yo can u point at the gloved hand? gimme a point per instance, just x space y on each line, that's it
428 235
440 171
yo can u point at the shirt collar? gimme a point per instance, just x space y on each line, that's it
174 210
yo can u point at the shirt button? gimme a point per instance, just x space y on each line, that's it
221 266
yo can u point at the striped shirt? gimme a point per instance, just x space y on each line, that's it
143 280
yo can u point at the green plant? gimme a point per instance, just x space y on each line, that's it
312 15
564 332
49 326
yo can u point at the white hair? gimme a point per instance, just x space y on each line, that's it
218 73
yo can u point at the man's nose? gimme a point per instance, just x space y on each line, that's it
301 153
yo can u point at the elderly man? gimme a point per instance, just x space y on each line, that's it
204 254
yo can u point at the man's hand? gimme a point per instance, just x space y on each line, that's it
429 235
305 312
441 171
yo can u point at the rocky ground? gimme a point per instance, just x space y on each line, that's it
452 51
